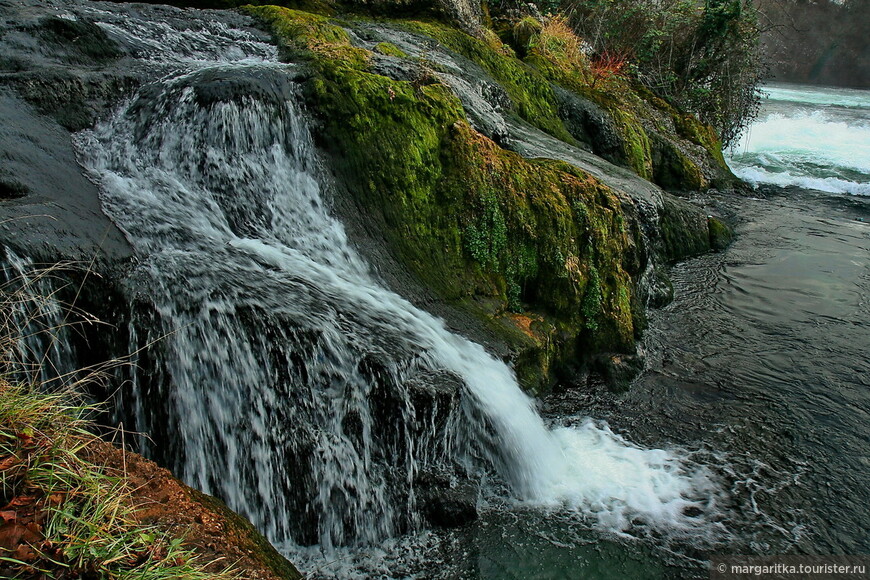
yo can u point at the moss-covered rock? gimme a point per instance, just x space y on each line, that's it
531 93
390 49
652 138
547 256
673 169
684 230
524 34
720 234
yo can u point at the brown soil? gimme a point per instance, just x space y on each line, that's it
218 535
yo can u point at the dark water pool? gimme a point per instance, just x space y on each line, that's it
765 356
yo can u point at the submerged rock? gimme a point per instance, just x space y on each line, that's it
618 370
83 41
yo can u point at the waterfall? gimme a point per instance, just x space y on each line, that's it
287 379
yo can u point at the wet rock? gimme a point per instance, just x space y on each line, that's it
11 188
684 229
693 512
395 68
618 370
720 234
590 125
227 85
75 99
49 210
446 503
82 41
657 286
672 169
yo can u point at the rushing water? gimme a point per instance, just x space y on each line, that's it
288 380
812 137
763 353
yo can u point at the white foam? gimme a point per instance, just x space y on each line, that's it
756 176
621 484
818 150
820 96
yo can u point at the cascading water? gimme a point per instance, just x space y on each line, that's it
810 137
292 383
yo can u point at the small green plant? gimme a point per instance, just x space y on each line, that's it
486 238
592 300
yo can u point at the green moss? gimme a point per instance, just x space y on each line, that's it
390 49
592 300
720 234
689 127
562 226
632 109
684 230
530 92
672 169
303 34
635 143
541 243
524 34
323 7
485 239
386 137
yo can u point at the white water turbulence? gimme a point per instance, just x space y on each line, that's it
810 137
290 382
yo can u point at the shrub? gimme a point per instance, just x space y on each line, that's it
701 55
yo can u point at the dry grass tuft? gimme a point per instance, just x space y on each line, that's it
558 42
62 516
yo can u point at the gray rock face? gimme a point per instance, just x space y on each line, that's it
464 12
60 72
56 79
48 207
